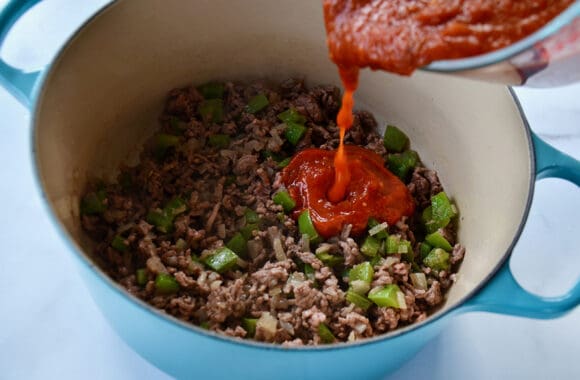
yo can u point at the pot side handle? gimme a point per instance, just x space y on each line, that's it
503 294
17 82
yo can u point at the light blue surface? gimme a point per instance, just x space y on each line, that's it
134 325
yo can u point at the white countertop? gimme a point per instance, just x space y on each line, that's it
50 328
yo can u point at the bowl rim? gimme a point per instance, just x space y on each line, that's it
496 56
85 260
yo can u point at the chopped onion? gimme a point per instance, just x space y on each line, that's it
360 327
125 227
401 300
287 326
419 280
278 249
275 291
323 248
215 285
360 286
351 336
242 263
267 325
305 243
296 278
391 260
254 248
378 228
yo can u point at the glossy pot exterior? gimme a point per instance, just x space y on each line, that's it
99 101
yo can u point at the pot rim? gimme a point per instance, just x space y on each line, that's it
84 259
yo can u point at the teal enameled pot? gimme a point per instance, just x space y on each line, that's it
94 106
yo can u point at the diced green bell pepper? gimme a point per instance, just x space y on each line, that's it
284 199
221 260
363 272
251 216
437 259
401 164
249 324
163 142
285 162
294 132
248 229
385 296
393 244
141 276
292 116
94 203
211 110
119 244
424 249
438 241
358 300
329 260
257 103
306 227
160 219
394 139
370 246
442 209
238 244
166 284
325 334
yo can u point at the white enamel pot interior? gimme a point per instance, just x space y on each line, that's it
101 98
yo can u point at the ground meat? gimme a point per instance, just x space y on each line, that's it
165 217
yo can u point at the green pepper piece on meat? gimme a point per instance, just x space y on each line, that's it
393 244
442 210
160 219
325 334
249 324
387 296
284 199
401 164
141 276
394 139
292 116
424 249
285 162
358 300
175 207
94 203
306 227
163 142
166 284
211 110
221 260
251 216
370 246
294 132
437 259
238 244
257 103
437 240
330 260
363 272
119 244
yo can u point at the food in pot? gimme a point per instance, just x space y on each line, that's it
213 225
402 35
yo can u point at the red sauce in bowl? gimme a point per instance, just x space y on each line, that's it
402 35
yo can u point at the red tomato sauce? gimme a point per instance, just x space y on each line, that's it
372 191
402 35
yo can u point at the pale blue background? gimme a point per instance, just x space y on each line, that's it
50 328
